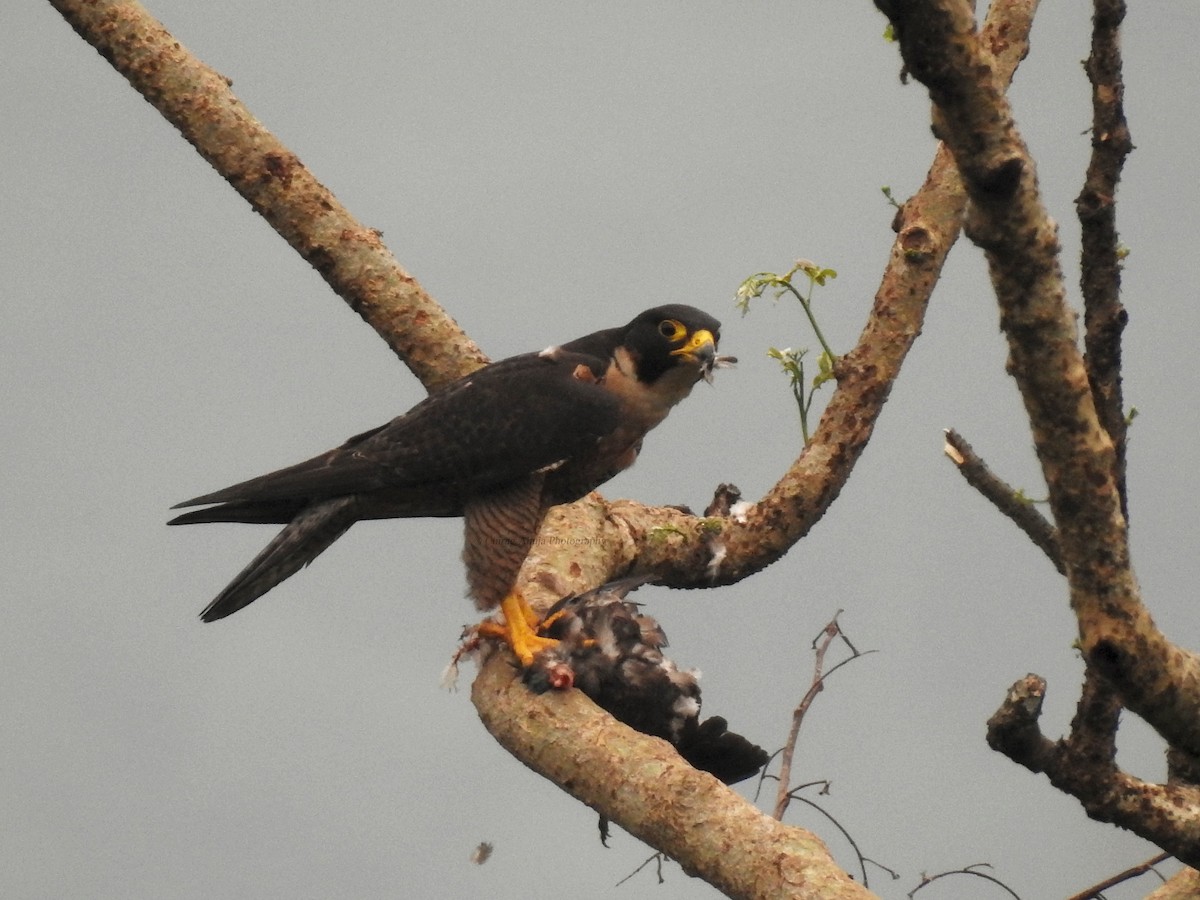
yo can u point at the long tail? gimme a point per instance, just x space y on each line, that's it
300 542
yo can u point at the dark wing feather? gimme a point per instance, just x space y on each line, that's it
295 481
303 539
488 429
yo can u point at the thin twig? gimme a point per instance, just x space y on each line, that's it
656 858
1131 872
821 645
783 795
862 860
965 870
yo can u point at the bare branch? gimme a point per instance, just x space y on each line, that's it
351 257
862 860
1132 872
659 798
1084 766
926 226
1013 729
1104 317
1004 497
971 870
1157 680
1093 736
656 858
821 645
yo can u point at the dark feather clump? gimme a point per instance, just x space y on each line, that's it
612 651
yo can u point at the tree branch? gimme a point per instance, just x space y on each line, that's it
1185 885
351 257
1097 890
689 815
1157 680
821 644
1004 497
1084 766
926 227
1104 317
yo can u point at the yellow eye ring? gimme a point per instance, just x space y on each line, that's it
672 329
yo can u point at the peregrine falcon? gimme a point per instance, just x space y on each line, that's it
498 447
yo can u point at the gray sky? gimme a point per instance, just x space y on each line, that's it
544 170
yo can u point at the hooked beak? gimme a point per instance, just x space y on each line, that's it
701 350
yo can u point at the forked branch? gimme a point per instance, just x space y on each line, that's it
1082 467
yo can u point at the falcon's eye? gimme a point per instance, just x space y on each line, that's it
672 329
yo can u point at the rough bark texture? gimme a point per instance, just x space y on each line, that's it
1104 316
690 816
1083 469
1184 886
685 813
351 257
681 547
1084 765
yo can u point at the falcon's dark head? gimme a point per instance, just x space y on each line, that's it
674 339
659 358
655 360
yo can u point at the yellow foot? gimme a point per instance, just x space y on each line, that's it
520 629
